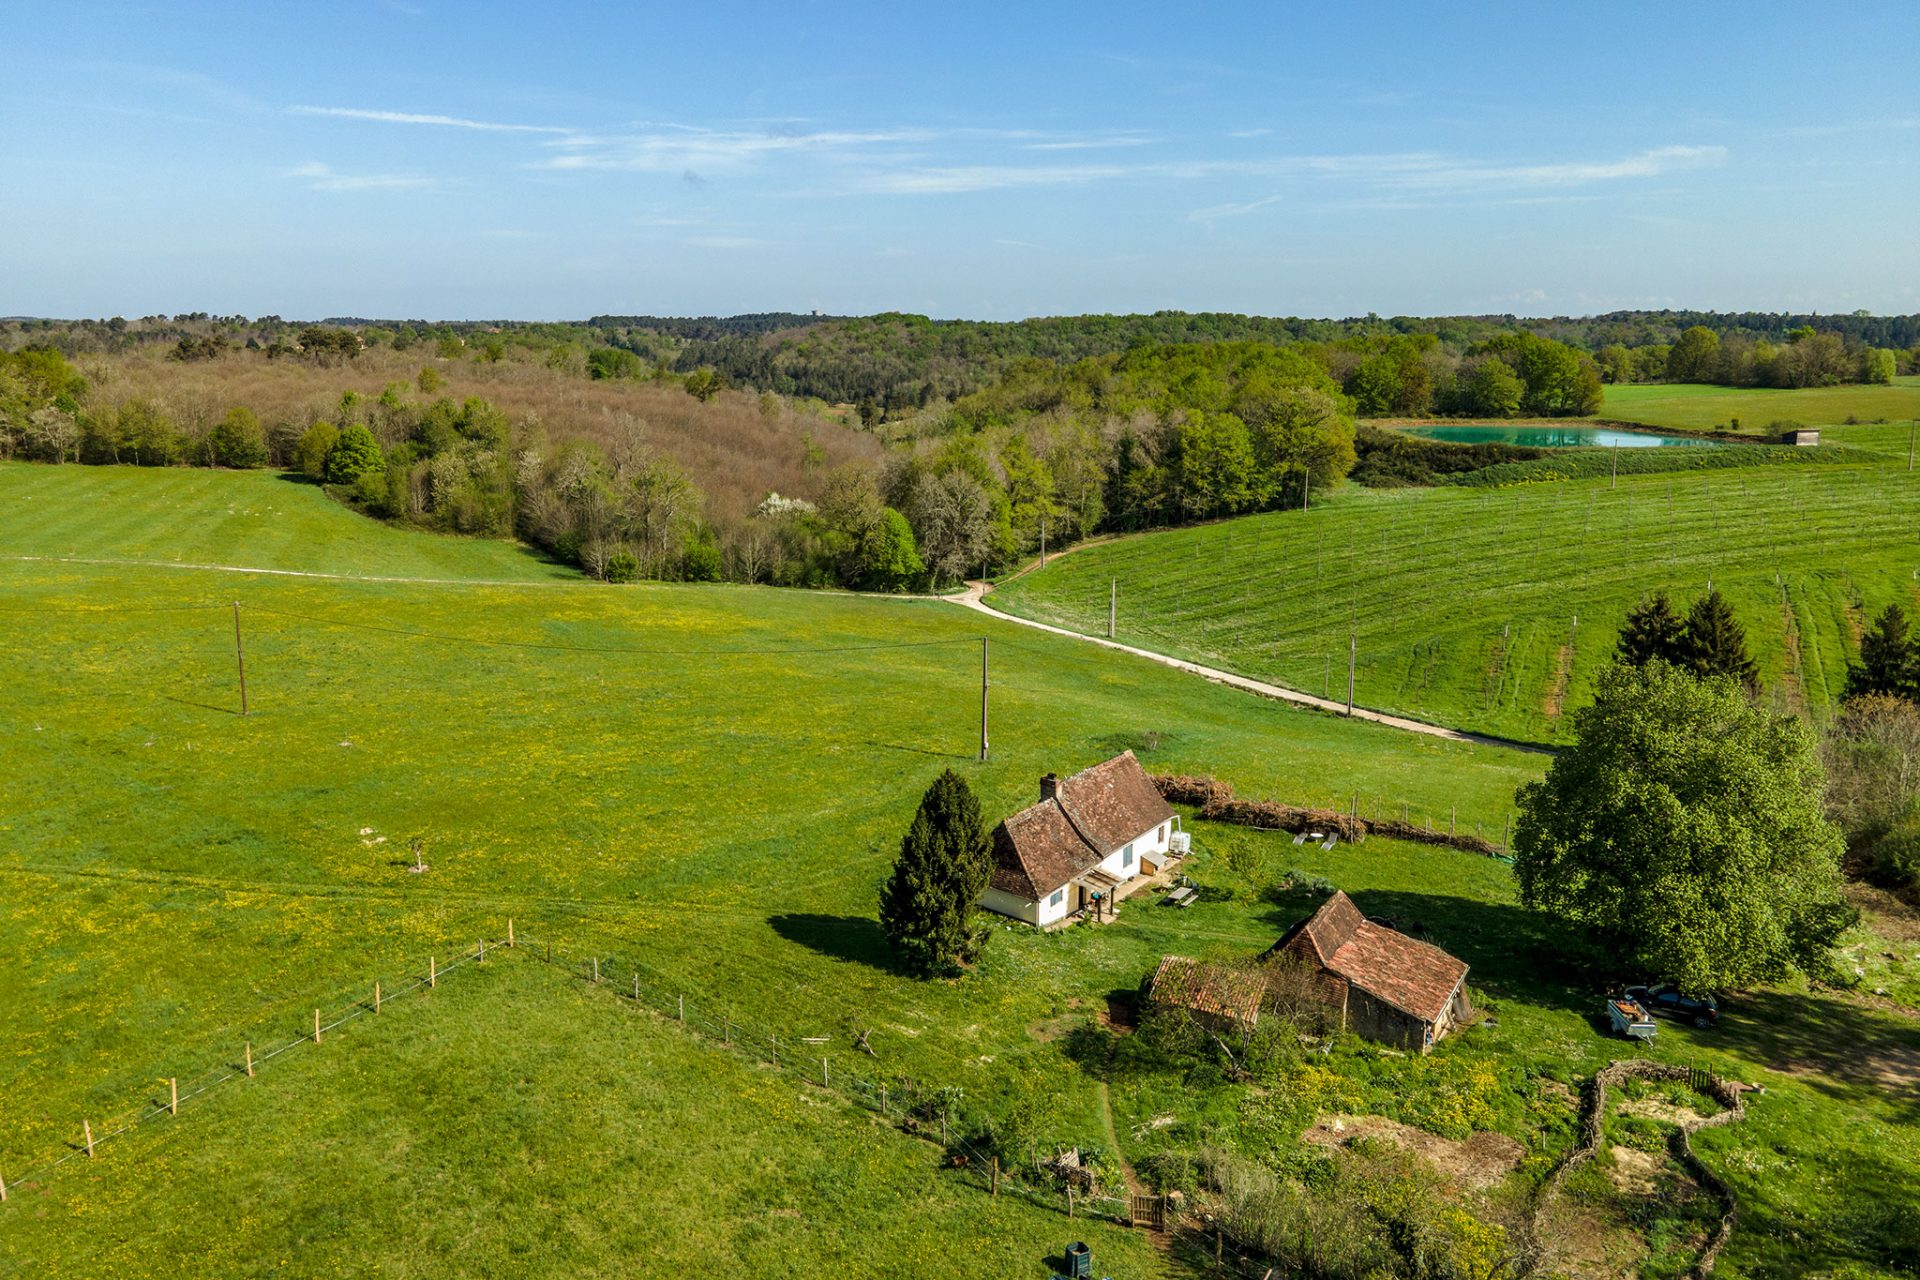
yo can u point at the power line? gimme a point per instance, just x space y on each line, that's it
767 651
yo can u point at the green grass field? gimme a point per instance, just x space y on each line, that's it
710 778
709 782
1463 601
1706 408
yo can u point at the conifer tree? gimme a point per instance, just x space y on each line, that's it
926 908
1652 630
1888 661
1717 643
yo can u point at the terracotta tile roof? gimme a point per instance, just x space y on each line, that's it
1221 990
1412 976
1088 816
1113 802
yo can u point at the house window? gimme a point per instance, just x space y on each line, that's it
1163 831
1126 856
1059 896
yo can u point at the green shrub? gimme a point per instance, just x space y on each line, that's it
622 566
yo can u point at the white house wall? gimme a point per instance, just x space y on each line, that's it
1149 844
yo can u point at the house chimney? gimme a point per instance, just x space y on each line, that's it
1049 786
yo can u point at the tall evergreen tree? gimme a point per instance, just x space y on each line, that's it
1652 630
926 908
1889 663
1717 643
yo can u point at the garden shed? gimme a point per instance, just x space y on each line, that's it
1385 985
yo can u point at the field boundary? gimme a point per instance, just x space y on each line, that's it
180 1091
1593 1115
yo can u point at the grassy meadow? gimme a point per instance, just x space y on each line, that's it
1697 407
708 783
1463 601
710 779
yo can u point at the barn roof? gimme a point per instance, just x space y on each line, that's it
1221 990
1415 977
1088 816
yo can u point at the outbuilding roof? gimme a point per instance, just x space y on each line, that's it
1220 990
1413 976
1078 822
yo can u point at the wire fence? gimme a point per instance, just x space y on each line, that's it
842 1065
87 1138
934 1114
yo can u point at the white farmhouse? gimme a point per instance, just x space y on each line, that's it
1092 840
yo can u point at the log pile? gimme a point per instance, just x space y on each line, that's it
1216 802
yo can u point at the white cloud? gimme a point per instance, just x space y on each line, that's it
958 179
320 177
409 117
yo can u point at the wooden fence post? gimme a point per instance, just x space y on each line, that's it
883 1101
249 1059
596 968
3 1190
173 1095
316 1026
726 1032
823 1075
1069 1199
636 988
682 1003
480 955
509 932
996 1177
433 973
1219 1244
376 995
775 1041
86 1128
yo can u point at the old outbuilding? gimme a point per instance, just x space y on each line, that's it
1385 986
1222 996
1801 436
1091 840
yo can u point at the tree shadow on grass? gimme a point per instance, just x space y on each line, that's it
855 938
1831 1044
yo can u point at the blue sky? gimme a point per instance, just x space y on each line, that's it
425 159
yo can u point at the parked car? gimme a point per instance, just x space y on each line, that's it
1667 999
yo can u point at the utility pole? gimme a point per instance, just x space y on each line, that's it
1353 650
983 698
1113 606
240 656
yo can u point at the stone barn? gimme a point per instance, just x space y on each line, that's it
1384 985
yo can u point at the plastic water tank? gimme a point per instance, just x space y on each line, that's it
1181 842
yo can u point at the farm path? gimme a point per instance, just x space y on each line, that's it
974 598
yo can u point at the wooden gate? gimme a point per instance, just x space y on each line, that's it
1148 1211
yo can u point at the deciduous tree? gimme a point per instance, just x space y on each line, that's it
1684 829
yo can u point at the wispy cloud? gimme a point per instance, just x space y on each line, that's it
438 121
725 242
320 177
960 179
684 148
1095 142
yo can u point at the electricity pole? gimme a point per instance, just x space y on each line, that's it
1353 650
983 698
240 656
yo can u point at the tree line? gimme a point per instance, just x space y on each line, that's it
1804 357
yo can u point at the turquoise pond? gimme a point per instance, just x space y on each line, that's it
1552 437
